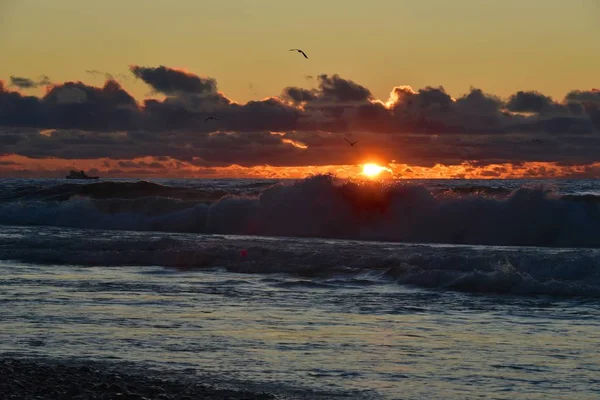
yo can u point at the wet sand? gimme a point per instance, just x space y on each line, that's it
27 378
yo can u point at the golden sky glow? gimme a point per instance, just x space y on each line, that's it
501 46
398 49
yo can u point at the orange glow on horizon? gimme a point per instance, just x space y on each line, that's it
373 170
150 167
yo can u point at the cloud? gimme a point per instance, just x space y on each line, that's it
107 75
303 126
593 110
432 110
340 90
23 83
75 105
300 95
27 83
44 81
172 81
331 90
579 96
141 164
530 102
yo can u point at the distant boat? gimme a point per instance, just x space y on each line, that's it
79 175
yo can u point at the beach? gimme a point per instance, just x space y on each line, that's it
25 378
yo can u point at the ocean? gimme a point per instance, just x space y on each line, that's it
439 289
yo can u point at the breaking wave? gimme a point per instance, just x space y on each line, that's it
320 207
321 263
105 190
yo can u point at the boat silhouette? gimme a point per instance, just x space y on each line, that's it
79 175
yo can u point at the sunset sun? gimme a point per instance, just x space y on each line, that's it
372 170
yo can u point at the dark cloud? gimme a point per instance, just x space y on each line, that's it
478 103
531 102
593 110
171 81
428 110
578 96
10 139
341 90
23 83
432 110
300 148
269 114
77 105
336 105
19 110
331 89
27 83
71 105
302 127
430 98
300 95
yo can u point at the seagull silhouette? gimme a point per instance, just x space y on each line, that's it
351 143
300 51
209 118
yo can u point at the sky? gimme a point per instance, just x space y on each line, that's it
430 88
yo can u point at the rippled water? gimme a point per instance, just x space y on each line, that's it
356 323
491 289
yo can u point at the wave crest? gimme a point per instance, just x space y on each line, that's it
522 271
320 206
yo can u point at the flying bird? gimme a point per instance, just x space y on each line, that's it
209 118
300 51
351 143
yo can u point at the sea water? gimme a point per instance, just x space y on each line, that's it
438 289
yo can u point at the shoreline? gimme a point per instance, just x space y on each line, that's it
54 378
